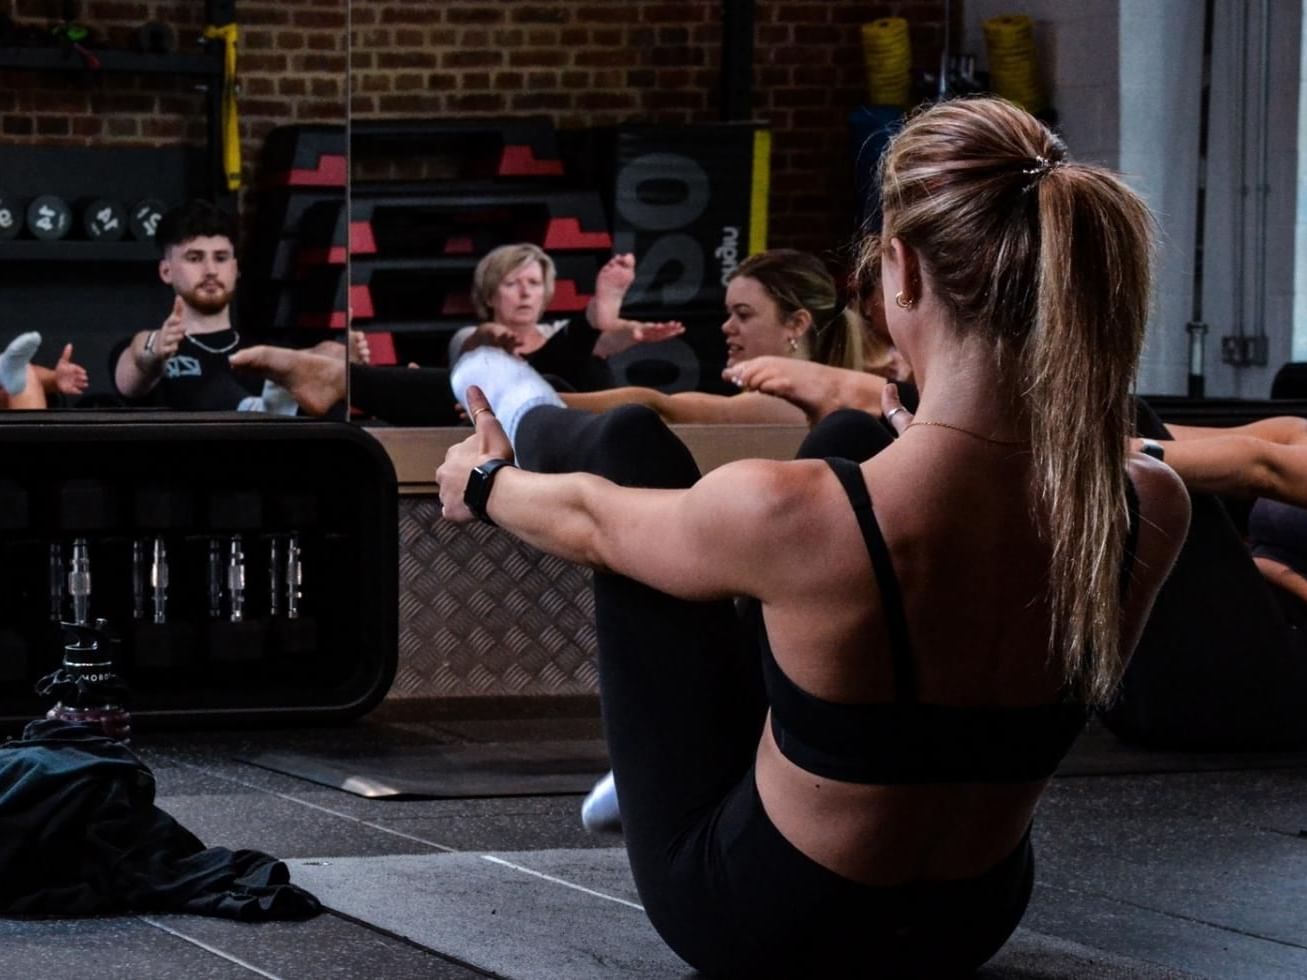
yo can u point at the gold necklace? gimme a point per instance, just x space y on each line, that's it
968 432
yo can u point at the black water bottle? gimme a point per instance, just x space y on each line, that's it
89 692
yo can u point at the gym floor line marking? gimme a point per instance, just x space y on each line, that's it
316 806
207 948
560 881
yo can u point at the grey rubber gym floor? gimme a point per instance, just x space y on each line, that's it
1195 871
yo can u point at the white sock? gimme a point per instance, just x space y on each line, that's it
599 812
14 361
511 385
277 400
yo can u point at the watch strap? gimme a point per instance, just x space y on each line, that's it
479 483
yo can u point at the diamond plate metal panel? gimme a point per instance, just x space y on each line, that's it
481 614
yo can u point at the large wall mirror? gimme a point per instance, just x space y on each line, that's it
114 115
566 133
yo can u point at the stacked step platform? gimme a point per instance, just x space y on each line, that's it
468 186
294 270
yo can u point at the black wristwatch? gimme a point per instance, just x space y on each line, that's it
1151 447
477 493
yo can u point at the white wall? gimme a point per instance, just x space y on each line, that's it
1125 78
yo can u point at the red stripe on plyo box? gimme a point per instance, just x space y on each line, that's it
381 348
567 298
459 245
520 161
360 302
361 239
567 233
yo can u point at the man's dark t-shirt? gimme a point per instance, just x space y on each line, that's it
198 378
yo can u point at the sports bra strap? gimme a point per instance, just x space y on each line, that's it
896 623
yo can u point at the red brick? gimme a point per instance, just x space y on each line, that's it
292 85
474 80
473 15
605 100
325 42
609 13
540 15
326 88
818 35
422 14
290 41
508 39
535 101
320 19
320 112
406 59
477 102
475 39
471 59
415 104
602 58
537 59
675 13
122 126
88 126
509 81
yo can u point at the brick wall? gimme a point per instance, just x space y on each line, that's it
292 69
583 62
598 62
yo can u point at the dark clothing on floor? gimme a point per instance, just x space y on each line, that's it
1220 666
683 705
80 835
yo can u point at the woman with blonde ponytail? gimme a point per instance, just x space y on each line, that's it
844 783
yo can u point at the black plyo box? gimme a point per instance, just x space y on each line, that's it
188 478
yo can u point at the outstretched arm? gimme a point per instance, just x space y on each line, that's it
140 365
65 378
700 543
691 407
1239 465
817 389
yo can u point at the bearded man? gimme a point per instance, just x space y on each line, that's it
183 364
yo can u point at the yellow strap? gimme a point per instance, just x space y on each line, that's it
231 130
759 191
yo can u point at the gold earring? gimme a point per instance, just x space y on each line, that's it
903 303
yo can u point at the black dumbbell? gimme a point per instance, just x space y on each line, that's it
49 217
11 217
104 220
144 219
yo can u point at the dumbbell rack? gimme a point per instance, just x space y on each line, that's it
85 499
206 66
414 243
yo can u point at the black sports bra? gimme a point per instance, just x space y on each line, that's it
906 741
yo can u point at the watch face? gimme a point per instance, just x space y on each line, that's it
479 482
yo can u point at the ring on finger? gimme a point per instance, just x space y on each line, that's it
889 416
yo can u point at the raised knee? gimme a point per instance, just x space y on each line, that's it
637 449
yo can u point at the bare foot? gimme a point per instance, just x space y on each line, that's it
358 348
611 284
315 381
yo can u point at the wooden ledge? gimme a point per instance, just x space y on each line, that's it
417 452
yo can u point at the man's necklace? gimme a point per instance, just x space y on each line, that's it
974 435
235 339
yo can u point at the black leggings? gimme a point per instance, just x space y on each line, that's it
1220 666
403 395
683 706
